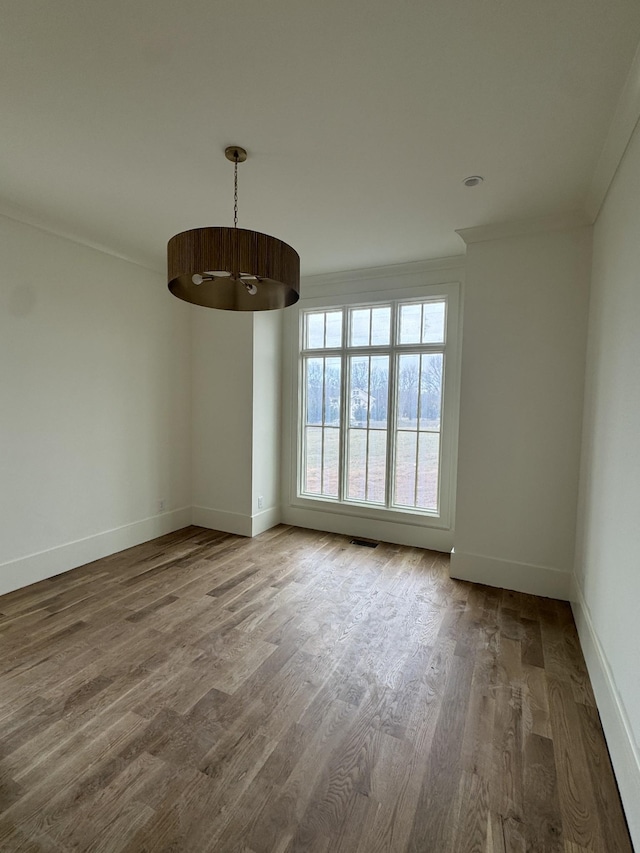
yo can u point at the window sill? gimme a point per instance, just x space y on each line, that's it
375 513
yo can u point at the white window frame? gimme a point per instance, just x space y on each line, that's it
443 519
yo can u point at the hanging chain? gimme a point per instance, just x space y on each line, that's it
235 191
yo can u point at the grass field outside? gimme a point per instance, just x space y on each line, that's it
367 483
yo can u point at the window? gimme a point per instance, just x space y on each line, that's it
372 404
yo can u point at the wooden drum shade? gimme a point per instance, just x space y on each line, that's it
275 265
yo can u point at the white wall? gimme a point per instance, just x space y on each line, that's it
267 424
524 339
236 419
95 405
115 396
607 606
222 419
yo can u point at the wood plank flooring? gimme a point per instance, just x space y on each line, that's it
295 693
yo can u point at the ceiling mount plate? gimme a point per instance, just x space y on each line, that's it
234 152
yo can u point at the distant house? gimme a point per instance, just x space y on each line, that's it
361 404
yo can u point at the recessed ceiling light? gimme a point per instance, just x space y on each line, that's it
473 180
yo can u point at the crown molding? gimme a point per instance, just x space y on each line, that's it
457 262
623 124
24 217
517 228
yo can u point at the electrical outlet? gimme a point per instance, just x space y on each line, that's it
162 505
260 502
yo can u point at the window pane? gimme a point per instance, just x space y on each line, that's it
332 391
360 327
433 322
330 467
410 323
380 326
431 391
359 398
408 384
314 332
377 469
405 479
428 462
314 385
313 460
356 480
379 391
334 329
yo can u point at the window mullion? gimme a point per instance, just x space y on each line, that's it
418 414
377 350
391 412
366 446
302 415
440 432
322 427
420 348
344 391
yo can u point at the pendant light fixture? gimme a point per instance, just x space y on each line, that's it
232 268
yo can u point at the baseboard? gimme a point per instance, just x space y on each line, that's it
265 520
508 574
623 749
217 519
54 561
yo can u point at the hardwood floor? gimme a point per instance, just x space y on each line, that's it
294 692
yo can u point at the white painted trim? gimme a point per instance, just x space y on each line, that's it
518 228
265 520
25 217
623 124
625 755
373 513
218 519
435 534
382 290
394 271
415 535
55 561
510 574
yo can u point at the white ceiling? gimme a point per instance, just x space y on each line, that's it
361 118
